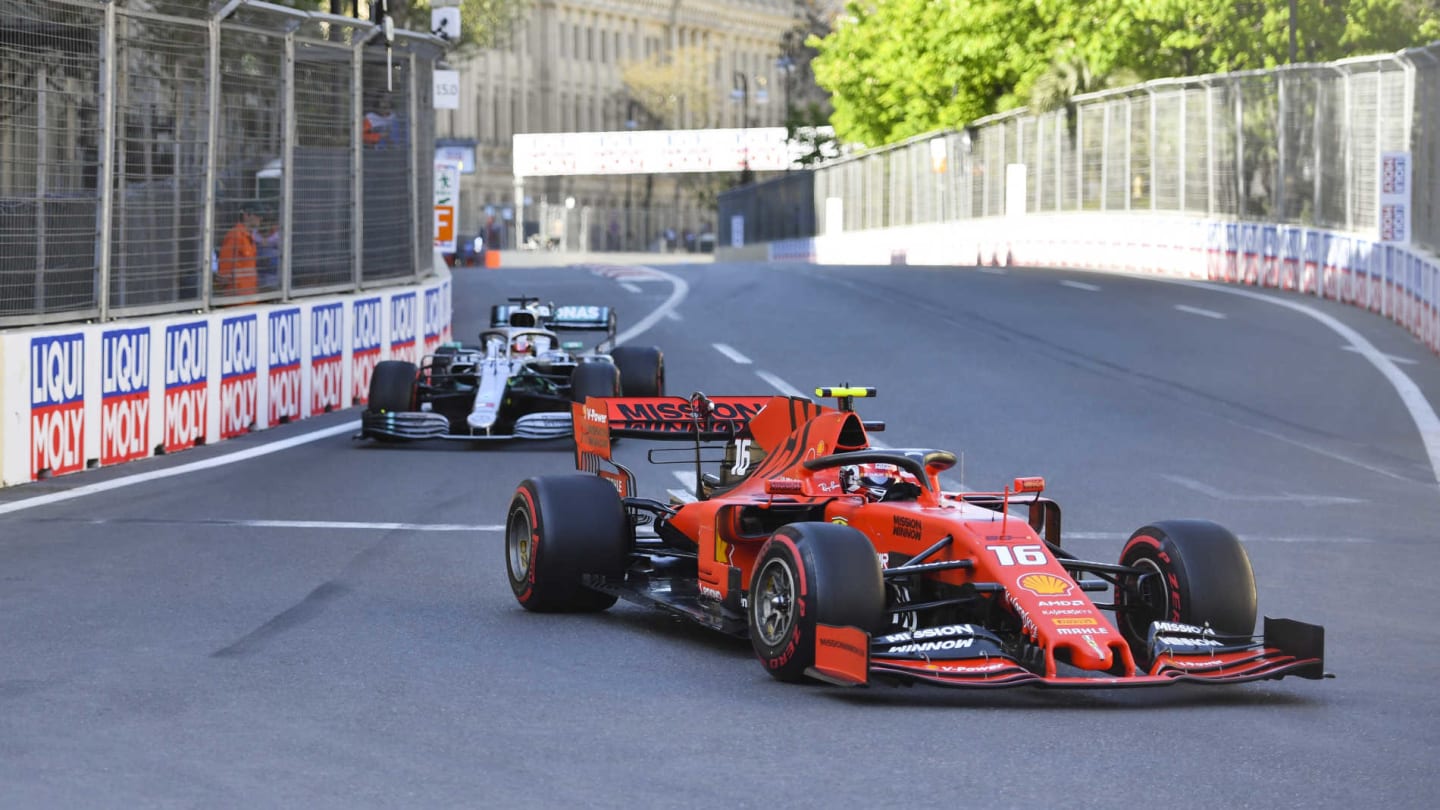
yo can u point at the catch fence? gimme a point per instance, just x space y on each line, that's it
134 133
1295 145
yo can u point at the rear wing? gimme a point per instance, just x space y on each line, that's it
700 418
572 318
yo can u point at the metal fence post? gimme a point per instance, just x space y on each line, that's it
105 171
287 163
357 165
207 219
1210 149
416 227
42 160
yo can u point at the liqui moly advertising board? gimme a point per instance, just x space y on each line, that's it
284 364
446 307
327 350
433 318
404 314
185 378
239 369
57 404
366 340
124 394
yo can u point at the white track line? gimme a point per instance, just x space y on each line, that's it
628 287
1392 358
194 466
1410 394
731 353
1080 285
779 384
1204 313
1249 538
678 292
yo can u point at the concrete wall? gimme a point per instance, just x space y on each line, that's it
80 396
1399 282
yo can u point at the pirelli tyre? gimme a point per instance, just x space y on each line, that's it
594 378
809 574
1193 572
392 387
642 370
560 528
392 390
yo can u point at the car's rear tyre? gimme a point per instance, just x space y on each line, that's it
1196 572
594 378
809 574
559 528
642 370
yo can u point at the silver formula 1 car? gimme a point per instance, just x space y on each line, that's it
518 383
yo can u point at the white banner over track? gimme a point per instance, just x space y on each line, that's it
674 151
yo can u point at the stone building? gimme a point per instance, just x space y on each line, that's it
565 69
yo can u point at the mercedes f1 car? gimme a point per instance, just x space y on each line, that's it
849 564
518 383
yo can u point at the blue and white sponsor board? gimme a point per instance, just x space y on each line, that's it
100 394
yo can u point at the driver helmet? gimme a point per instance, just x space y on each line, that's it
522 345
877 479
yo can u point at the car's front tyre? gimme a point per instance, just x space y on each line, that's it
809 574
1193 572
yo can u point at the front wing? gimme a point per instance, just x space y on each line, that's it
418 425
848 656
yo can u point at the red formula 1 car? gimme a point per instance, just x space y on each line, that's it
850 564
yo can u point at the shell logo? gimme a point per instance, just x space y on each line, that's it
1045 585
840 520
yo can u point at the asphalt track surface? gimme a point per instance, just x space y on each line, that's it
329 624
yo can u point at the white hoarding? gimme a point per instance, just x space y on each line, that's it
763 149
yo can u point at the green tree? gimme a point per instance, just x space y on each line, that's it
807 104
898 68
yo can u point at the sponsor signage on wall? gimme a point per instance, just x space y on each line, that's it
239 366
403 312
1394 187
185 378
124 394
57 404
433 318
366 342
327 349
284 359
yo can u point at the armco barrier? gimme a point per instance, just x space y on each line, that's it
80 396
1399 283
